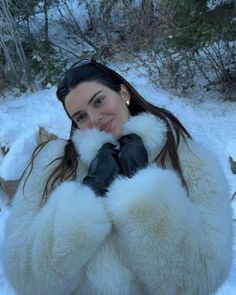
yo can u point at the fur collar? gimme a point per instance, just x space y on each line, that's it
150 128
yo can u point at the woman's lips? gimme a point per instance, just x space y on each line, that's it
106 127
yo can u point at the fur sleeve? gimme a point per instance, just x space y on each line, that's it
45 248
174 243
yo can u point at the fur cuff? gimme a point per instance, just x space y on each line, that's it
153 197
88 142
151 130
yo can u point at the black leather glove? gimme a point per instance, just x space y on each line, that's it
133 155
103 169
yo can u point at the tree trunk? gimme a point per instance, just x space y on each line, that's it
12 29
148 9
45 9
9 61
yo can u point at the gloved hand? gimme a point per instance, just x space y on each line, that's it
103 169
133 155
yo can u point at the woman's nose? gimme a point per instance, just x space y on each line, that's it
95 119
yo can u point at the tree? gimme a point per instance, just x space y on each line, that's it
206 35
194 25
10 33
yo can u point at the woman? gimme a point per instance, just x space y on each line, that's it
130 204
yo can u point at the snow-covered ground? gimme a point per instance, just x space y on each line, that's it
210 121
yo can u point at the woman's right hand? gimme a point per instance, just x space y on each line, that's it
103 169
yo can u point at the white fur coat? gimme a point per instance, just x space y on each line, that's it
146 237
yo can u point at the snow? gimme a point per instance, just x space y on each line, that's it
210 121
20 120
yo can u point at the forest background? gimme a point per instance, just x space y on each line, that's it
184 45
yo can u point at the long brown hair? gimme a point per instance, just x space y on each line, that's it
90 70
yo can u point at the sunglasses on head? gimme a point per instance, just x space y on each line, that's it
86 61
80 63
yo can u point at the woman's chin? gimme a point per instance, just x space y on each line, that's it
115 134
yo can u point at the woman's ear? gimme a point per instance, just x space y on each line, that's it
124 93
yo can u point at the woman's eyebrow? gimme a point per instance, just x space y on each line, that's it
94 95
89 102
75 114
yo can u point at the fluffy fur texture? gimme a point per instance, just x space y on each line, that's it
151 129
146 237
88 142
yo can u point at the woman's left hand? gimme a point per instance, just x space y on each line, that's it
133 155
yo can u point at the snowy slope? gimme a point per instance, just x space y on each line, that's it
211 122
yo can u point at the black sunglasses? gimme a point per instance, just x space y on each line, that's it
86 61
83 62
77 64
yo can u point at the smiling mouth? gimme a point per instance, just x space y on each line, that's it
106 127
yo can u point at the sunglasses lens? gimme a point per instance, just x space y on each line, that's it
81 62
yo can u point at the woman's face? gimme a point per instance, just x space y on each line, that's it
93 105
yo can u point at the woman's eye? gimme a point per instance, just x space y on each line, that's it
99 100
80 118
